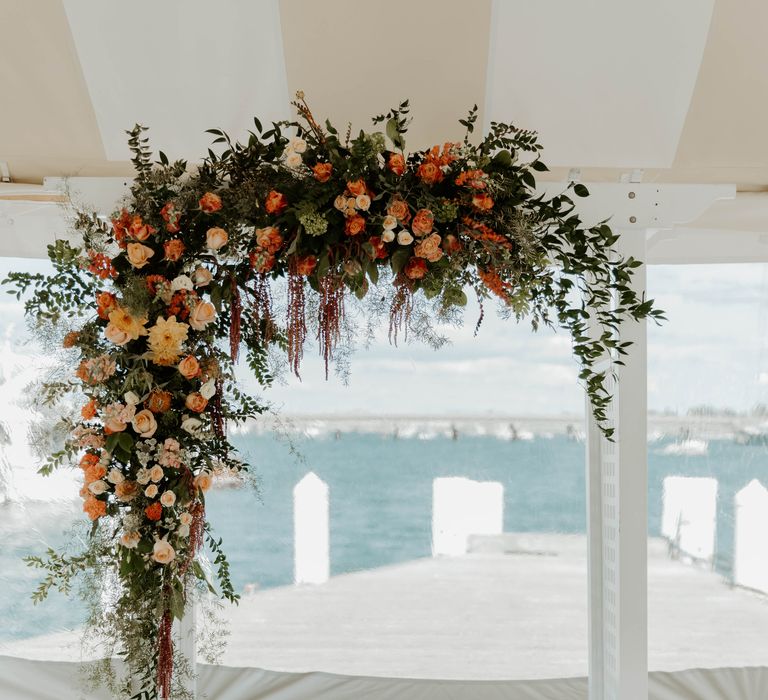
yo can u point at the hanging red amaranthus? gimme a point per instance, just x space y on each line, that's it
297 322
330 316
400 311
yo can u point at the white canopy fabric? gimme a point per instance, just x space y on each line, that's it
23 679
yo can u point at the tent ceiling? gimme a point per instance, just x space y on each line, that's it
680 89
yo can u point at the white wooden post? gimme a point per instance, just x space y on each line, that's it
186 644
689 516
311 531
750 552
462 507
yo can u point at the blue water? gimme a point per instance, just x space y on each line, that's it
381 492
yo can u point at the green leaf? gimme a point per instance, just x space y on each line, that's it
399 259
503 159
580 190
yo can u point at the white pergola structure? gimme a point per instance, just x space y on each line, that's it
660 108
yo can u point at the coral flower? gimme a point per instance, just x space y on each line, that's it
171 216
429 172
357 187
105 302
154 511
132 326
354 225
173 249
94 507
70 339
322 172
306 264
396 163
210 202
482 201
89 410
165 340
101 265
416 268
423 222
276 202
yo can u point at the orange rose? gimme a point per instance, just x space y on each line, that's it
89 410
159 401
355 224
276 202
357 187
396 163
379 249
138 230
139 255
306 264
189 367
94 507
154 511
423 222
322 172
482 201
196 402
173 249
399 209
429 173
261 260
210 202
429 248
416 268
94 473
106 302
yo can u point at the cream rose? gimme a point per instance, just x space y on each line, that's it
185 518
363 201
203 314
202 277
182 282
388 236
144 423
208 390
156 473
340 202
139 255
162 552
151 491
389 223
293 160
130 540
404 237
142 476
216 238
182 530
204 480
297 144
191 425
114 335
98 487
168 498
131 399
115 476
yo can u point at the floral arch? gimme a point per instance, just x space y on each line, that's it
155 306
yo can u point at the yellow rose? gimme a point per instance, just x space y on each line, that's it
139 255
162 552
203 314
216 238
144 423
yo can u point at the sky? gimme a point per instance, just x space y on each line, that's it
713 350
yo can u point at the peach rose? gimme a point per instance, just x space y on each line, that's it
173 249
388 236
151 491
156 473
114 335
216 238
399 209
482 201
189 367
340 202
423 222
203 481
168 498
354 225
210 202
451 244
357 187
203 314
97 488
322 172
276 202
115 476
363 202
202 277
130 540
429 248
163 553
269 238
139 255
154 511
396 163
196 402
185 518
429 173
144 423
416 268
126 491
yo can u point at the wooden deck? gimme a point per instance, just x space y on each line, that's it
492 615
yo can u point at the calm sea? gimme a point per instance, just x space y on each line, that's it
380 491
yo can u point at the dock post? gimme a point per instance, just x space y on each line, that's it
311 531
750 551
